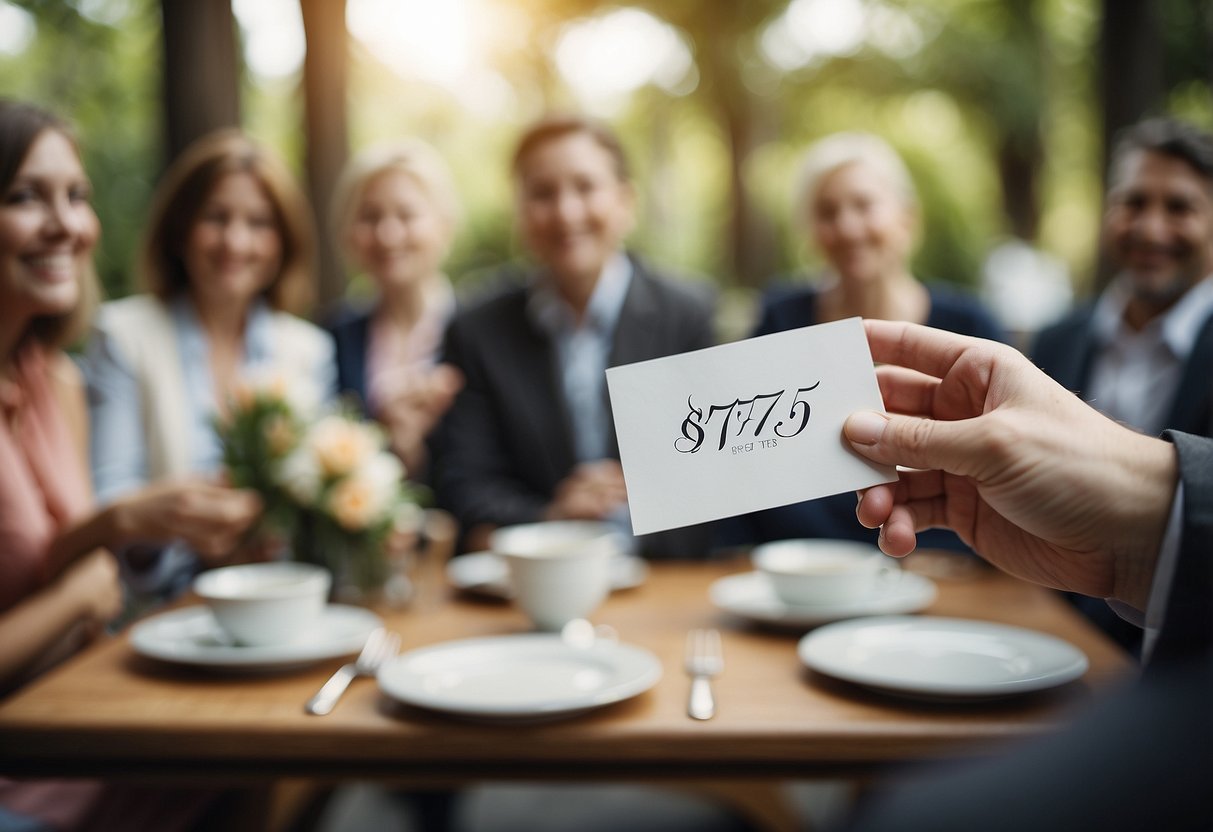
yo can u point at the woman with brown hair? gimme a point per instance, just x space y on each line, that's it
227 262
58 580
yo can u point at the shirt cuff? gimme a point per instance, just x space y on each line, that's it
1164 575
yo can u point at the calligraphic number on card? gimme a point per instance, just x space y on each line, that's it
736 418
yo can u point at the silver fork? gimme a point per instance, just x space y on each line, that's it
703 661
380 646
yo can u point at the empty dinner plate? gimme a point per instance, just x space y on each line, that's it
750 595
486 573
941 658
519 677
192 636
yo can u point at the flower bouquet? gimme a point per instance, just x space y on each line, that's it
331 487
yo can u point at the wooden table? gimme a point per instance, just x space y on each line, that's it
110 712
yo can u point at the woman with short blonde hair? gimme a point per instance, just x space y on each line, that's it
394 215
856 204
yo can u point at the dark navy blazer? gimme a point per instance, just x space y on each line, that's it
351 331
1066 351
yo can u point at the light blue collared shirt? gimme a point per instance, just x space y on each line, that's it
206 453
119 452
583 349
1136 374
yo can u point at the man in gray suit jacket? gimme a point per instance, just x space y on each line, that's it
530 437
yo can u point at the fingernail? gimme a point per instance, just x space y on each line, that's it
865 427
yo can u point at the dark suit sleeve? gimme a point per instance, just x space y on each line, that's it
1187 628
473 473
351 333
1140 759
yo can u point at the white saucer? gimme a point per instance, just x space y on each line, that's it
528 677
485 573
191 636
941 658
751 596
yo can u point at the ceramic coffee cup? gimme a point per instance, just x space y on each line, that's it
808 572
559 571
262 604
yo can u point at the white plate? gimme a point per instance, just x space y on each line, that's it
485 573
191 636
941 658
751 596
519 677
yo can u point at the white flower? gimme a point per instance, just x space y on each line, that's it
268 382
259 382
385 472
341 446
408 518
368 495
299 474
304 397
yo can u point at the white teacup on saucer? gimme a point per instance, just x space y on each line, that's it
560 570
259 604
815 572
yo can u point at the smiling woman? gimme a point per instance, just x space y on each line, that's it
47 234
856 203
59 583
227 257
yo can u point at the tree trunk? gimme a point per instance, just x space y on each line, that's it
201 71
1131 66
325 71
1131 84
1019 165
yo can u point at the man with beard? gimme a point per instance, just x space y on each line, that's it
1142 352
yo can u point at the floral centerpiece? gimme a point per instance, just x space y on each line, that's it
332 488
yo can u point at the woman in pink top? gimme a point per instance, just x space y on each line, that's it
58 581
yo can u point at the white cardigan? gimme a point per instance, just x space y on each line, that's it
140 329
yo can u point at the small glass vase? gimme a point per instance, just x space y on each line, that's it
360 568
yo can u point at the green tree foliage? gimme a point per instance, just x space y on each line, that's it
96 63
989 96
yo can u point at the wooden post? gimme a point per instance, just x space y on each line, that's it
325 70
201 71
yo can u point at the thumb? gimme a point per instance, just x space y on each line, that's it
929 444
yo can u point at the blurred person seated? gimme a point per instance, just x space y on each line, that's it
1048 489
226 261
394 215
856 203
1142 352
59 582
530 436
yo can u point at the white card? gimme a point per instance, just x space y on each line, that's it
745 426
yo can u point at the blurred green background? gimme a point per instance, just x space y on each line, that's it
1000 107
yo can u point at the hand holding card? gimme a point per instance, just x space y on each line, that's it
744 426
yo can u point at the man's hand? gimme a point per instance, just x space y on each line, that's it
1036 481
